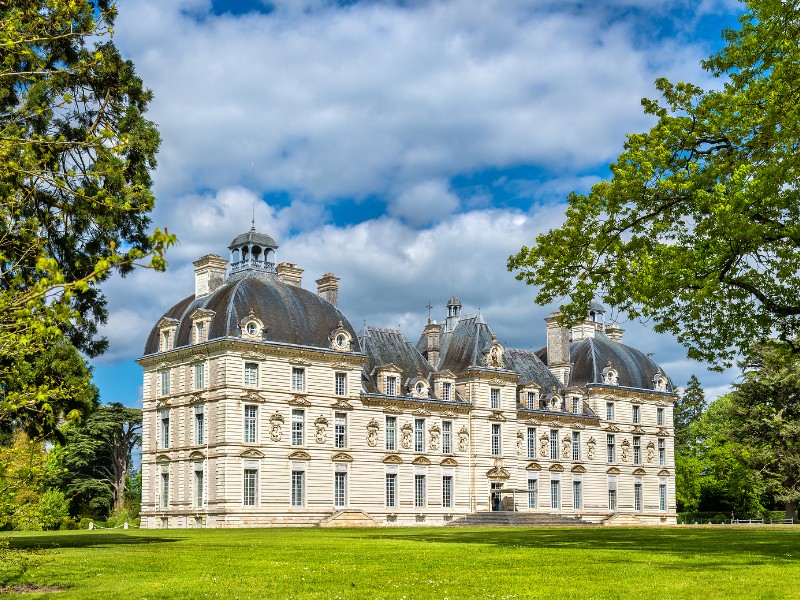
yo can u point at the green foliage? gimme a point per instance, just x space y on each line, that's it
698 229
688 410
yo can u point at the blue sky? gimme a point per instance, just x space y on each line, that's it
407 146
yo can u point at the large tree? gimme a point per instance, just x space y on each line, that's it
698 228
687 410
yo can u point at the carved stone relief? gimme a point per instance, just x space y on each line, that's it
406 432
544 445
520 442
565 443
590 445
435 434
651 451
463 437
276 421
372 433
626 448
321 426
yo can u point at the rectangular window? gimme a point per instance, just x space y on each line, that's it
576 404
612 493
495 395
662 497
165 429
576 445
532 404
198 486
533 492
251 374
662 452
340 430
199 425
636 414
391 385
554 444
250 424
340 489
612 451
447 391
200 331
637 496
577 495
496 449
419 435
420 495
164 490
637 450
165 383
660 417
447 491
199 376
298 487
391 433
447 437
609 411
531 442
298 426
555 493
391 490
298 379
250 487
341 384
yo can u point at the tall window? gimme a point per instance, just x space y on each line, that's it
250 423
391 433
165 382
612 493
496 449
447 391
165 429
199 376
576 445
662 497
554 444
609 411
662 452
298 426
447 437
576 404
298 379
199 425
340 430
532 401
555 493
200 332
531 442
419 435
341 384
637 450
420 495
164 490
298 487
610 446
447 491
391 385
198 485
660 417
391 490
250 486
251 374
495 396
577 494
637 496
533 492
340 489
636 414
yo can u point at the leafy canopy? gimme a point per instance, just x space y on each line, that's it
698 228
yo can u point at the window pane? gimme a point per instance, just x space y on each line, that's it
391 490
555 494
419 435
554 444
298 487
531 442
251 374
198 487
576 495
576 445
298 379
250 423
495 394
447 491
341 384
391 433
340 489
447 391
250 486
447 437
298 426
340 430
533 489
496 439
419 491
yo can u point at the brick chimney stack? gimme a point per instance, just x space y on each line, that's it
328 288
558 360
290 273
209 274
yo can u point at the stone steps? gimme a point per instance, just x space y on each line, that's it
518 519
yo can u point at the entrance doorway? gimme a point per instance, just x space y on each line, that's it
495 496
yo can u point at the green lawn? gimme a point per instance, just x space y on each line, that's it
677 562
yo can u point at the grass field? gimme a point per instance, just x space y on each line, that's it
677 562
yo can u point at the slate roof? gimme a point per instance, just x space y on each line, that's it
530 368
388 346
254 237
290 313
463 347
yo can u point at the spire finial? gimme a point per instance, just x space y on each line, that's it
429 311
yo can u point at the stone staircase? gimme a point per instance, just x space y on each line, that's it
518 519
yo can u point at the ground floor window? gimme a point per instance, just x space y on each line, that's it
164 490
198 487
391 490
298 487
340 489
555 494
250 486
419 491
447 491
662 496
637 496
612 493
577 495
533 492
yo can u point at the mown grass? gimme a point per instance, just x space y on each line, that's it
678 562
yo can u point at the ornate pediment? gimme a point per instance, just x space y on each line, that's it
300 361
449 414
167 322
196 358
421 460
162 458
254 355
613 471
421 412
393 459
556 423
663 473
533 422
196 455
497 473
252 453
162 402
341 366
201 313
662 432
252 396
497 416
533 466
393 410
495 381
613 428
342 457
640 471
299 455
299 400
638 430
449 462
196 398
578 469
342 404
557 468
577 425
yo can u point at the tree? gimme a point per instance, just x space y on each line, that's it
75 159
697 229
687 410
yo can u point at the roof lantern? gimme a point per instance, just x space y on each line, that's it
253 251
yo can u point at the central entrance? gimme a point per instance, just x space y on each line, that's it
495 496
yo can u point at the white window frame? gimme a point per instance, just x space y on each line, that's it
249 486
340 489
420 490
497 443
390 487
298 379
165 382
662 496
611 448
447 437
636 414
340 384
494 395
419 435
447 391
612 493
576 445
199 425
576 404
533 401
531 442
660 416
250 376
638 503
298 487
391 385
164 419
199 332
199 485
298 427
250 424
662 452
610 411
637 450
577 494
447 491
164 489
391 433
554 444
533 492
340 430
198 376
555 494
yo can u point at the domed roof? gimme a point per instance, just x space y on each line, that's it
592 355
454 301
595 306
290 314
253 237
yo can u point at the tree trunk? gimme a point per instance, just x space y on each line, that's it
790 510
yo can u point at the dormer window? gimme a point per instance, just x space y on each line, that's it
200 332
201 324
340 339
447 391
166 334
252 327
391 385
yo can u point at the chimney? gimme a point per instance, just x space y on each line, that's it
558 360
209 274
290 273
583 330
431 336
614 332
328 288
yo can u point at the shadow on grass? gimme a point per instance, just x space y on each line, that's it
772 544
85 540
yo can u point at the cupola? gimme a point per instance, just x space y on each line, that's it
253 252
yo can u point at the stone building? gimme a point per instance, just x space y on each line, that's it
263 406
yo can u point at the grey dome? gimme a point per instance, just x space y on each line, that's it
290 314
253 237
590 356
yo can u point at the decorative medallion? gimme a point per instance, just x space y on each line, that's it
557 468
626 448
660 382
544 445
341 366
578 469
406 432
590 448
449 414
640 471
393 410
320 425
299 400
493 356
638 430
533 422
520 442
613 428
613 471
434 435
252 396
463 436
372 433
662 432
421 412
340 339
610 375
565 447
275 421
533 466
299 360
497 415
651 451
556 423
498 473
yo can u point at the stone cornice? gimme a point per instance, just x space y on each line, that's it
393 404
